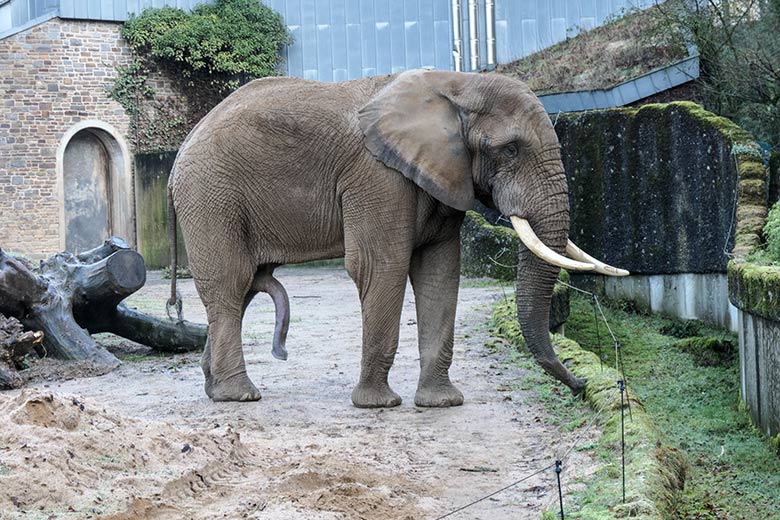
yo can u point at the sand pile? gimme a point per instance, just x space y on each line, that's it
63 457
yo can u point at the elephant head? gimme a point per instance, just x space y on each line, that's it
485 136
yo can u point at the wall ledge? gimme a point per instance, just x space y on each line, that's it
625 93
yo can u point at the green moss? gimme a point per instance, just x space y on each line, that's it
655 472
730 130
151 199
708 352
695 408
752 191
755 288
752 169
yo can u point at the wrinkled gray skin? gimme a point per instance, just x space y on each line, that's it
380 171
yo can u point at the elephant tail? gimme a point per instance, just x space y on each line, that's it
265 282
175 300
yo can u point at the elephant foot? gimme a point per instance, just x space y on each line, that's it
438 396
373 396
238 388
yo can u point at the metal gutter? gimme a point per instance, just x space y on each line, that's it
625 93
457 36
473 6
490 33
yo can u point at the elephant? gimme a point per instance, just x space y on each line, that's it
379 171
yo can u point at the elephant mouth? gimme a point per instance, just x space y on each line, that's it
579 261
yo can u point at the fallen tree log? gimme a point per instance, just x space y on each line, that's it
68 297
169 336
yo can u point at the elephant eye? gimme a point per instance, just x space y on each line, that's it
510 150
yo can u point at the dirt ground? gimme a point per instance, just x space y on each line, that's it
144 442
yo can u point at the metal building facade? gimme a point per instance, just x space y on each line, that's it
335 40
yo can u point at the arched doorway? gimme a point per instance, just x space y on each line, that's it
87 189
95 186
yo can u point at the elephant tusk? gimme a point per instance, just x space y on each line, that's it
537 247
578 254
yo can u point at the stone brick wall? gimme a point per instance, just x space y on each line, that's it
52 77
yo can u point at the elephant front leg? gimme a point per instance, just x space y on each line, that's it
381 298
435 275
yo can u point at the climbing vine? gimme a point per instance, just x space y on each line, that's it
201 56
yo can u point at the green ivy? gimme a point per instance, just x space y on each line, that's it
218 45
206 53
130 86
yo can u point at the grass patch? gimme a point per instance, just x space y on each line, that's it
181 272
734 473
478 283
603 57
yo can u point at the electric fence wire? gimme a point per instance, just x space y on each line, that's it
726 252
560 458
619 367
621 385
477 501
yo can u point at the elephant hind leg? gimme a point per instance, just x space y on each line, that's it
265 282
223 362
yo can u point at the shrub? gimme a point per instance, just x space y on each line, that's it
772 233
682 328
708 352
218 46
206 54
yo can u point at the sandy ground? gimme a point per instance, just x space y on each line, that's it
144 442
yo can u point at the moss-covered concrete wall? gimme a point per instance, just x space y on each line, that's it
487 250
652 189
151 202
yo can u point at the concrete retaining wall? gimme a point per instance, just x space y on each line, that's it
759 356
689 296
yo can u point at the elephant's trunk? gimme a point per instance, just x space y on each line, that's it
536 278
535 281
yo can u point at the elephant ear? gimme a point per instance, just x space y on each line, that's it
412 127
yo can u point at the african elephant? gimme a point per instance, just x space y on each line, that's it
380 171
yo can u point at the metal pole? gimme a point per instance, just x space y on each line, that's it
473 35
490 33
457 35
